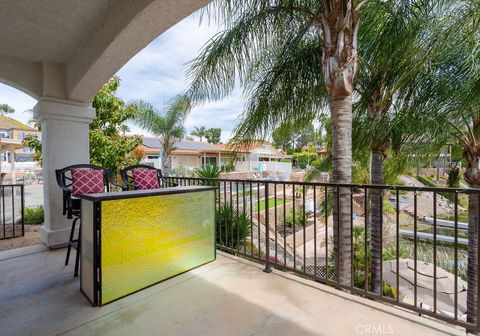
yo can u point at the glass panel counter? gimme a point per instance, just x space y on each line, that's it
134 239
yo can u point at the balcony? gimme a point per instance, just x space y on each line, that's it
229 296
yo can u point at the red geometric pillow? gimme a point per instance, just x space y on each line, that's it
87 181
145 179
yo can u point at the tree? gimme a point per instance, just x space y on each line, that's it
167 124
124 129
282 137
109 148
293 58
395 42
6 109
199 132
449 89
213 135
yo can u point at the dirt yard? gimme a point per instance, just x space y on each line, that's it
32 237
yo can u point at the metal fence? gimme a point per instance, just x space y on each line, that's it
11 211
424 250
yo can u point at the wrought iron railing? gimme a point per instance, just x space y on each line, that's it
11 211
426 252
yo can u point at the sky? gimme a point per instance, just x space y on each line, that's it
156 74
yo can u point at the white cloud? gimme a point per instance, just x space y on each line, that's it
157 73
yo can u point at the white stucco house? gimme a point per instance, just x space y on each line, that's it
257 157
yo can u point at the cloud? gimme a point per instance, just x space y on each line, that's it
157 73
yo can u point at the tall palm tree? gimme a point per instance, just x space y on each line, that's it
124 129
394 46
167 125
294 58
450 89
199 132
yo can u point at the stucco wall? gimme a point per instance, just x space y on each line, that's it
185 161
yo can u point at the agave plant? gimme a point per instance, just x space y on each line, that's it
207 172
233 226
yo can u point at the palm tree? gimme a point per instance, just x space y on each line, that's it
394 46
293 58
449 89
167 125
199 132
6 109
124 129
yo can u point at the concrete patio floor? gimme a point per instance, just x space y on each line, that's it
39 296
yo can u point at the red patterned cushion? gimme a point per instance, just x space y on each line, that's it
145 179
87 181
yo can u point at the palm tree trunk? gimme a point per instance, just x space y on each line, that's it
472 268
339 65
472 176
341 112
376 220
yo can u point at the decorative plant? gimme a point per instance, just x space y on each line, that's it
34 216
207 172
233 226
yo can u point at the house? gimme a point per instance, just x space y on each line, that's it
17 131
258 156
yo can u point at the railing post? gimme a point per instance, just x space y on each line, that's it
267 269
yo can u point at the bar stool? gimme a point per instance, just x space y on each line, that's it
144 177
75 180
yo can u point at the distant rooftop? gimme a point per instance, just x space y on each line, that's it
10 123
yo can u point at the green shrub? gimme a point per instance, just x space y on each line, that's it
298 220
34 216
233 226
209 171
454 178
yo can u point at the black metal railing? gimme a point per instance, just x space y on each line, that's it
11 211
423 244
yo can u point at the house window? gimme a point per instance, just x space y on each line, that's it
211 160
152 157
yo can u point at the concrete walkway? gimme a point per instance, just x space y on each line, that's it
39 296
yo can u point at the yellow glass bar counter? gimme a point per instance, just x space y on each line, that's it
134 239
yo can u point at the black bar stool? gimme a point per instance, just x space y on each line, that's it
76 180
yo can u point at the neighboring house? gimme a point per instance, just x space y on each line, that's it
257 157
17 131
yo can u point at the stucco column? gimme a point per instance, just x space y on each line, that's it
64 142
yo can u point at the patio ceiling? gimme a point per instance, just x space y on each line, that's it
68 48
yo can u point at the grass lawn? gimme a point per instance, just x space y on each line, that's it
271 204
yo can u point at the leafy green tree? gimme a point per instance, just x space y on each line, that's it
109 148
6 109
199 132
167 125
293 58
282 136
213 135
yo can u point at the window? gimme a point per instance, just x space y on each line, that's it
211 160
152 157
